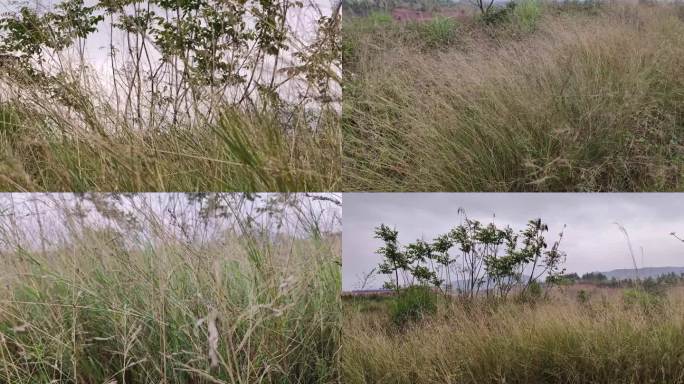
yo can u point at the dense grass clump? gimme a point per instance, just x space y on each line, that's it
240 151
413 304
438 32
550 98
527 14
101 307
553 341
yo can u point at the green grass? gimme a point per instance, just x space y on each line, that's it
241 151
97 309
554 341
526 14
438 32
559 98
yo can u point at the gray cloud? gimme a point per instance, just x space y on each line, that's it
592 240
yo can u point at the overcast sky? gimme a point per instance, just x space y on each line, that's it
302 21
21 214
592 241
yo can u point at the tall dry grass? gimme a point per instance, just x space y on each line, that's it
155 110
573 99
240 151
149 293
558 341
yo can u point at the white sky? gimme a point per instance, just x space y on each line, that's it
592 241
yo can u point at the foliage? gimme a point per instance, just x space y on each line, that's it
496 15
649 302
656 285
437 32
203 34
533 293
583 297
526 14
594 276
413 304
393 260
480 264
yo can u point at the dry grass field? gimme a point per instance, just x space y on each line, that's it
608 336
572 96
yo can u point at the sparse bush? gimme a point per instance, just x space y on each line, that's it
583 297
435 33
481 267
643 300
526 15
498 15
413 304
533 293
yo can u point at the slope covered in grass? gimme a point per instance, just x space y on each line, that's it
541 98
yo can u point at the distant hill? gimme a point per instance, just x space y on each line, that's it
621 274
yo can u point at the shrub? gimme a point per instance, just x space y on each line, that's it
531 294
646 301
526 15
583 297
438 32
534 291
499 15
413 304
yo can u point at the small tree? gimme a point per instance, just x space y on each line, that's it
393 259
544 262
421 260
441 246
481 258
465 236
